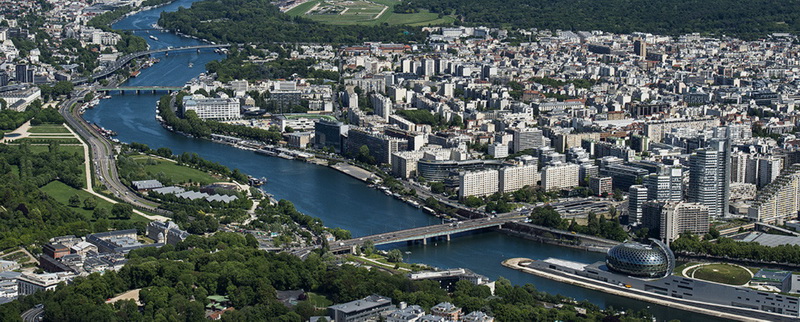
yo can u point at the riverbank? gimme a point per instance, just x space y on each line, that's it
719 311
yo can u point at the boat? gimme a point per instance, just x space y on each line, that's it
135 73
153 37
191 65
257 182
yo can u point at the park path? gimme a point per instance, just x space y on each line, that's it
381 13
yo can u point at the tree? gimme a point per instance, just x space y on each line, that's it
100 213
122 211
546 216
368 247
90 203
394 256
437 187
74 201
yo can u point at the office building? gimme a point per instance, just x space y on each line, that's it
478 183
560 176
212 108
330 134
637 196
624 175
527 138
23 73
778 201
769 168
380 146
640 47
364 309
515 178
667 186
29 283
704 184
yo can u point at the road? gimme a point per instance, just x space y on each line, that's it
103 159
33 315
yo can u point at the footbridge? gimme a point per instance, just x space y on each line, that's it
421 234
124 60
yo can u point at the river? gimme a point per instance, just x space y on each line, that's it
339 200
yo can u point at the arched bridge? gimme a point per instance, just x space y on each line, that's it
138 89
124 60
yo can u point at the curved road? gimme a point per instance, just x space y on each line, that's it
103 157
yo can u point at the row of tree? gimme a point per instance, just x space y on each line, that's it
176 282
726 247
595 226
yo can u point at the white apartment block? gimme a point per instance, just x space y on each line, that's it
560 176
780 200
514 178
498 151
478 183
212 108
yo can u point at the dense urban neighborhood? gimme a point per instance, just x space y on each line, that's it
395 161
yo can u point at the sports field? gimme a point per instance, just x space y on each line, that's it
365 12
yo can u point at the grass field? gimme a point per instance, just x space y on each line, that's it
365 12
62 192
721 273
177 173
48 128
68 148
318 300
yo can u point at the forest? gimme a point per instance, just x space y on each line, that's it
259 21
175 283
745 19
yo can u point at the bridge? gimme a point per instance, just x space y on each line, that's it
138 89
124 60
422 234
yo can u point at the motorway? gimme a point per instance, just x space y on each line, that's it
33 315
103 157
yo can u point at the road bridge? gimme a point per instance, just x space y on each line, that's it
422 234
124 60
139 89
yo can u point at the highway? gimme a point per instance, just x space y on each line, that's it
33 315
103 157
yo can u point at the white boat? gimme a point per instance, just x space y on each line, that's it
191 65
153 37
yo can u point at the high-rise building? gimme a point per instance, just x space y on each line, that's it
24 74
560 176
3 78
515 178
640 47
637 196
769 168
722 144
601 185
673 218
527 138
780 200
665 186
478 183
704 187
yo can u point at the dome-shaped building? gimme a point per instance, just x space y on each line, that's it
635 259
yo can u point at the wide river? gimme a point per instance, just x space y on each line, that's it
340 201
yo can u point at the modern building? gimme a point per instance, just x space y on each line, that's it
23 73
527 138
441 170
560 176
637 196
654 261
380 146
778 201
667 186
601 185
212 108
704 182
330 134
671 219
29 283
364 309
624 175
478 183
515 178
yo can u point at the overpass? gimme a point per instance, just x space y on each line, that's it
421 234
138 89
124 60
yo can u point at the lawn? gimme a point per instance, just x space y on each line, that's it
46 148
318 300
62 192
337 12
722 273
48 128
177 173
309 116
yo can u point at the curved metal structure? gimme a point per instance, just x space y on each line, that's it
635 259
